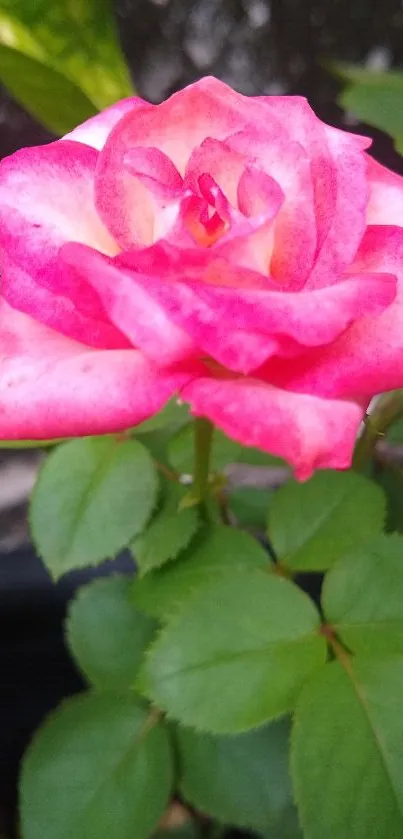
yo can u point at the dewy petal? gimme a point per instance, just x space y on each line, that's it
53 387
386 195
46 199
307 431
95 131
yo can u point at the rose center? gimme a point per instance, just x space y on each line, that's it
206 215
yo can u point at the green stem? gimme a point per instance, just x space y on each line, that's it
171 474
203 432
340 652
387 409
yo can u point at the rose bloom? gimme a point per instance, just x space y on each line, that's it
234 251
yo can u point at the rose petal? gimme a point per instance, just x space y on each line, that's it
249 242
128 302
53 387
170 319
312 317
386 195
368 358
198 290
274 152
166 319
338 169
309 432
248 239
46 199
150 184
95 131
206 109
258 193
223 164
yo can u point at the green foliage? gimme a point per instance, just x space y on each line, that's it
363 597
157 432
106 634
62 59
30 444
220 549
48 95
314 523
169 531
249 504
388 473
92 497
100 768
223 451
242 780
189 830
375 98
173 416
390 479
236 654
220 642
395 431
347 751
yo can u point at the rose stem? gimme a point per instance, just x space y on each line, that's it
388 408
203 435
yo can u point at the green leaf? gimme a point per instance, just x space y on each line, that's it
394 433
173 415
223 451
31 444
100 768
363 597
47 94
92 497
242 780
347 751
390 479
75 37
236 655
157 432
106 634
256 457
314 523
169 532
249 505
218 549
188 830
375 98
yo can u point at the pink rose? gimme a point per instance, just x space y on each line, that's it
234 250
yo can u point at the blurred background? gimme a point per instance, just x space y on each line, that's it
257 46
